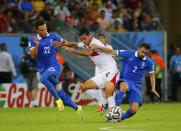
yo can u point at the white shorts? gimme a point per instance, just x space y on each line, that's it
111 75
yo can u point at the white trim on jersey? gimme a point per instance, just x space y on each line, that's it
136 54
39 37
151 72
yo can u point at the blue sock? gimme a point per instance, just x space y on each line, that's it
63 95
67 100
50 88
119 97
127 114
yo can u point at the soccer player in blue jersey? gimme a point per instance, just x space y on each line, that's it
44 52
135 64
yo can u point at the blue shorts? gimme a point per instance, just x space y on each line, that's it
52 70
134 91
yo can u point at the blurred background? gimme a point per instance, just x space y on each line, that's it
125 23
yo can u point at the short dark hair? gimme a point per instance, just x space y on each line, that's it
39 23
3 47
84 31
145 45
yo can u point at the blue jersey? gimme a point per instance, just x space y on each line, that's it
176 63
46 56
133 66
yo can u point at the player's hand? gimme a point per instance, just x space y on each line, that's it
59 44
36 41
155 93
93 47
67 48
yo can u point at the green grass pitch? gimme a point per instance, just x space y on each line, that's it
150 117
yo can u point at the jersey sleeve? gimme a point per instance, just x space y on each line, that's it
80 45
109 46
97 42
31 43
122 53
58 38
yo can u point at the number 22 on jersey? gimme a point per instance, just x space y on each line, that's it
47 49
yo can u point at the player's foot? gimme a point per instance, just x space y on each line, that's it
79 111
104 109
122 112
99 108
60 104
110 119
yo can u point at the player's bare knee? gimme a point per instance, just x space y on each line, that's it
134 109
123 87
58 87
109 91
83 87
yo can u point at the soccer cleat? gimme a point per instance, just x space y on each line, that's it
112 120
79 111
122 112
99 108
60 104
104 109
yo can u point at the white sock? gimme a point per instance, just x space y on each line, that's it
101 100
111 101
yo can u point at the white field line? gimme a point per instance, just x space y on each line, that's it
122 128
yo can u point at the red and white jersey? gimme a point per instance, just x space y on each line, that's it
97 70
101 59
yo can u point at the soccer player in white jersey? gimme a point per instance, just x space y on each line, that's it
108 68
99 94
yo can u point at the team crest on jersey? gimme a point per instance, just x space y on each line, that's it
51 40
51 69
142 65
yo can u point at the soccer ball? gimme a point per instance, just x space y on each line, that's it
114 112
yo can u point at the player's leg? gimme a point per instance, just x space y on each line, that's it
68 101
98 95
134 99
102 100
65 97
92 93
109 90
45 79
53 75
110 76
123 87
89 84
131 111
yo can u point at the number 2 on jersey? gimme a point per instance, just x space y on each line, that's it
46 49
135 68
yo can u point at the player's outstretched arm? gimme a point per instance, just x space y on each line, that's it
104 49
64 43
78 52
152 80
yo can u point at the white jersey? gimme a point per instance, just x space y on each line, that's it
97 69
101 59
